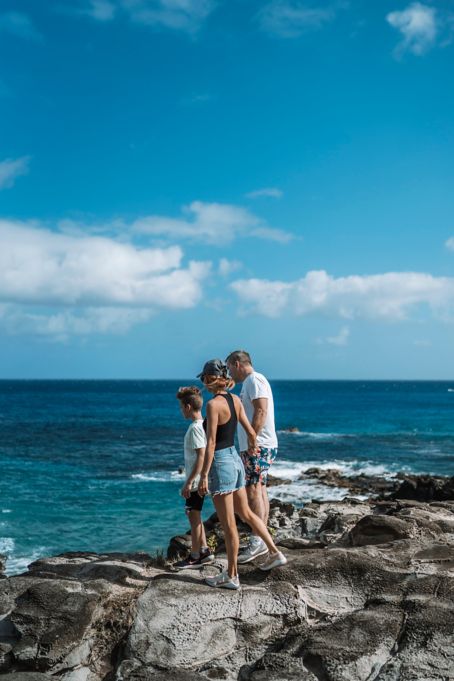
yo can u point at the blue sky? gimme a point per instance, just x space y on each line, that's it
180 178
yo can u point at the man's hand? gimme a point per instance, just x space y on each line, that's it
203 485
186 490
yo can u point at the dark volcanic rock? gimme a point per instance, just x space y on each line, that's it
367 595
379 530
364 485
27 676
2 565
425 488
63 615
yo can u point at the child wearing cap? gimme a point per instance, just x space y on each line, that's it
191 401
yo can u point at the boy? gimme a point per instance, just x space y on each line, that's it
191 402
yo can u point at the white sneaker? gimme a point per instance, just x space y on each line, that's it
273 560
253 551
224 581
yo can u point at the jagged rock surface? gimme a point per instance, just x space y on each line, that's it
367 595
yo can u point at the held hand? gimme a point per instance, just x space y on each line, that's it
252 446
203 485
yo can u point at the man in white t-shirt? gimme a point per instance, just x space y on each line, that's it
258 403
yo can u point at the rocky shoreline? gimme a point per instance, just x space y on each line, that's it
368 594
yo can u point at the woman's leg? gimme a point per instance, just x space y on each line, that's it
223 504
258 527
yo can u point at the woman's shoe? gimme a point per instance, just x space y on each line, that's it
273 560
224 581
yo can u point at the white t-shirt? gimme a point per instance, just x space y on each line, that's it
195 438
255 386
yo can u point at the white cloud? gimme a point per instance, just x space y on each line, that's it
272 192
292 18
102 10
185 15
389 296
111 284
10 169
450 243
214 223
418 26
60 326
20 25
226 267
341 338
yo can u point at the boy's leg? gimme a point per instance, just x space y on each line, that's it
196 531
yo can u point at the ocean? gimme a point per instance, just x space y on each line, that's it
94 465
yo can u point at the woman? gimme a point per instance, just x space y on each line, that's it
222 473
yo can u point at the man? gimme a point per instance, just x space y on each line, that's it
257 399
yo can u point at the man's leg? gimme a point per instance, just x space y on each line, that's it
265 504
256 499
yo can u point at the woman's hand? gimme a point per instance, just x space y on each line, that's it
252 444
203 485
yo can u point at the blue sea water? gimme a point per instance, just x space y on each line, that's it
93 465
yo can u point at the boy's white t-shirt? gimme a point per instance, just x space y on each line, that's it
254 387
195 438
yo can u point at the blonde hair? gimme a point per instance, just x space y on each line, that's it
218 382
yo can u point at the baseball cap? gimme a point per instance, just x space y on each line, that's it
214 367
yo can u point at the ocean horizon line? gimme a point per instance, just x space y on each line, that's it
281 380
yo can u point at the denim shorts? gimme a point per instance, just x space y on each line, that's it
226 472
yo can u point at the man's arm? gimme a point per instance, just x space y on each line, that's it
260 412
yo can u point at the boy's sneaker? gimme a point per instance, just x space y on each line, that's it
253 551
273 560
224 581
191 562
206 557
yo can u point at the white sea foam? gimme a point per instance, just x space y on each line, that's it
315 436
159 476
291 470
6 545
6 510
300 492
450 390
15 565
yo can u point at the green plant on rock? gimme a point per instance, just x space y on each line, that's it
212 542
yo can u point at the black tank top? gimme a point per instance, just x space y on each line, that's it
225 434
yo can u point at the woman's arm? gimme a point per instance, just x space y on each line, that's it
212 426
250 432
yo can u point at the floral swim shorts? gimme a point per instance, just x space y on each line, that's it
257 466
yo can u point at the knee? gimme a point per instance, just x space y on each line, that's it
254 491
194 516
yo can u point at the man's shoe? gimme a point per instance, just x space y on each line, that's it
223 581
273 560
253 551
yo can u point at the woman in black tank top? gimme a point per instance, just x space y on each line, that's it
223 472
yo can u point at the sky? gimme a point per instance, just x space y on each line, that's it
183 178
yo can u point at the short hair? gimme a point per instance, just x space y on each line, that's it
240 356
191 395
